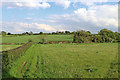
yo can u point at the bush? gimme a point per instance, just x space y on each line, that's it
30 40
44 41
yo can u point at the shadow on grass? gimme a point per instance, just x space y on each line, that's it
6 75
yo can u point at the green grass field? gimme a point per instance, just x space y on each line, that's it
36 38
8 47
91 60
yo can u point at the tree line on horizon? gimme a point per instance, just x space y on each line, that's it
81 36
3 33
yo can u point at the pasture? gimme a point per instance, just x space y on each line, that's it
93 60
8 47
36 38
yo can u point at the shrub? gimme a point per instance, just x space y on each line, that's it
44 41
30 40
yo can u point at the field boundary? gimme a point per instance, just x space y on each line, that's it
63 42
11 43
54 42
10 56
14 48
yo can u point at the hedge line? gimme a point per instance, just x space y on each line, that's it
60 42
11 43
11 55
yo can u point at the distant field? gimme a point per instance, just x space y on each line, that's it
8 47
66 61
36 38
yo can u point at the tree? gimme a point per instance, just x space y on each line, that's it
88 32
31 33
105 32
57 32
72 32
41 33
67 32
3 33
107 35
62 32
8 33
53 33
82 36
103 36
26 33
117 37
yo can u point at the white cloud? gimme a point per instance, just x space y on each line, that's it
94 19
44 27
99 15
19 30
63 3
16 27
28 18
28 4
51 21
91 2
44 5
39 20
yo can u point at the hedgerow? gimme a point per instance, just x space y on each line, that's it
11 55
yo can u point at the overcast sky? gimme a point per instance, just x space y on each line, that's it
18 17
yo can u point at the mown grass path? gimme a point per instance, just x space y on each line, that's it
65 61
25 65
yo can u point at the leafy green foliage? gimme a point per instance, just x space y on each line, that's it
30 40
30 33
3 33
82 36
103 36
8 33
41 33
44 41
